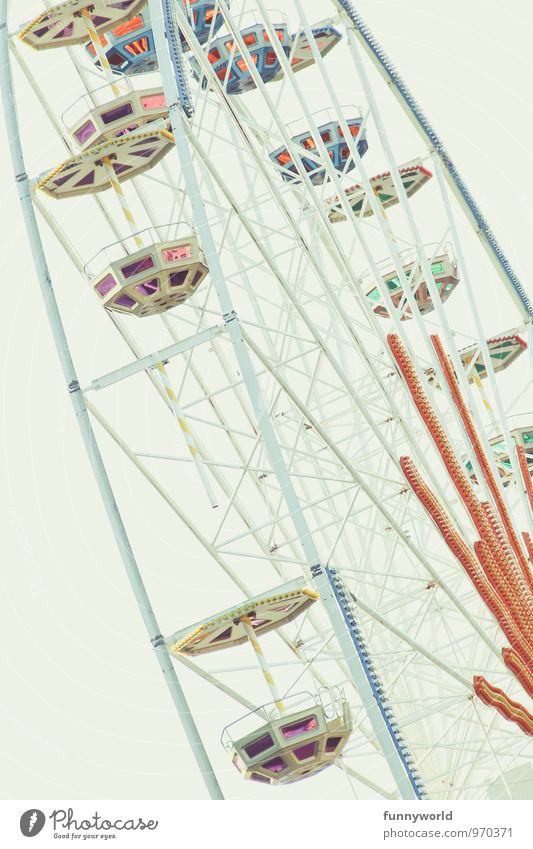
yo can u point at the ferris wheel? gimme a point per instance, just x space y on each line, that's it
310 387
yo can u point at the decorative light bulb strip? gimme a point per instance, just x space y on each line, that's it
438 434
455 470
469 426
528 542
516 664
464 555
526 477
506 707
502 603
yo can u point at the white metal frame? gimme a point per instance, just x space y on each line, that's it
336 419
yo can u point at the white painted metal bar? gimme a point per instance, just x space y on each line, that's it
69 373
503 420
307 248
316 396
151 360
358 29
245 365
391 519
373 201
187 433
428 276
356 397
202 540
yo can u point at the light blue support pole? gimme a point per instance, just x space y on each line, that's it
69 372
369 698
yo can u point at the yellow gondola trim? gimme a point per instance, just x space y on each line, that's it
25 30
92 151
177 648
46 14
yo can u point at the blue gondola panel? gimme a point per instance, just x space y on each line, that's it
335 143
130 47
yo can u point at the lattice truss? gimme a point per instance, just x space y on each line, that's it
341 411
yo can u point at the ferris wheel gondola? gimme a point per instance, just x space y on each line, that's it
294 743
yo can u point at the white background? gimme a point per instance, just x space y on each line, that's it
84 712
